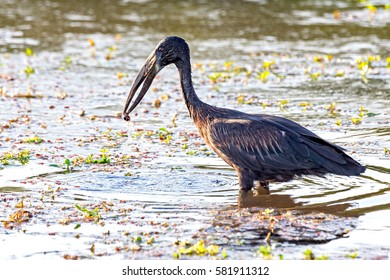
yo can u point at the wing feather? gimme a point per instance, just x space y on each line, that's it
272 143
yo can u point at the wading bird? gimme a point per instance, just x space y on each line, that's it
261 148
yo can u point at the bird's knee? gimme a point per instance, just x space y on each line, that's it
245 188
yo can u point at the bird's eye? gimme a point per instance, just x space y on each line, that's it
160 49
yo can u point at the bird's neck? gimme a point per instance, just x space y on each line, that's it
201 113
191 99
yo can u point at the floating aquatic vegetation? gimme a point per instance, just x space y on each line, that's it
266 252
365 65
266 69
121 75
137 239
224 254
318 59
241 99
89 214
67 163
283 104
50 193
332 109
103 158
353 255
110 52
29 70
150 241
19 216
309 255
263 76
92 47
371 8
165 135
314 76
33 140
66 63
91 42
157 103
29 52
218 77
340 73
362 111
173 119
267 64
199 249
109 55
71 257
356 121
16 218
306 105
23 157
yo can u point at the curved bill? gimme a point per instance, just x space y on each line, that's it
145 76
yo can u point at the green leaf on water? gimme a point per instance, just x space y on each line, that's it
137 239
28 52
29 70
23 157
309 254
266 252
224 254
67 163
94 214
104 158
352 255
33 140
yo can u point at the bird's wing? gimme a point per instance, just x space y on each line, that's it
269 142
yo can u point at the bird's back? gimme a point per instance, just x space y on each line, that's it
271 147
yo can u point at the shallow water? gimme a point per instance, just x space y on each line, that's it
175 189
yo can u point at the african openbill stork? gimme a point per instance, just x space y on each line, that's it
261 148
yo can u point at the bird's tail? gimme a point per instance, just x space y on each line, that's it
350 168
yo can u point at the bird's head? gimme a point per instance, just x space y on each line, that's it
170 50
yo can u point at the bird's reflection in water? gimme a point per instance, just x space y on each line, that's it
263 198
290 219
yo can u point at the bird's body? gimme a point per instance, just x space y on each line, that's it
259 147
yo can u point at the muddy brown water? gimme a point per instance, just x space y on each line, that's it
162 188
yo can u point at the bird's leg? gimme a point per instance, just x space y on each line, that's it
245 179
261 188
264 184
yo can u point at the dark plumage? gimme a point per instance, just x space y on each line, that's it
259 147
